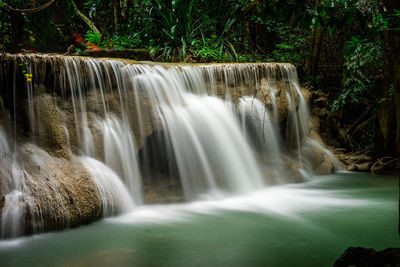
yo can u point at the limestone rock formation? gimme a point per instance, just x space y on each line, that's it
74 106
62 192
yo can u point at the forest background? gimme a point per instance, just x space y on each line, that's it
346 51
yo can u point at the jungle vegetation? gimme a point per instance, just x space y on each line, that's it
347 49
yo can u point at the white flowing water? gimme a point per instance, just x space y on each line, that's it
114 195
211 151
219 126
120 153
260 129
13 206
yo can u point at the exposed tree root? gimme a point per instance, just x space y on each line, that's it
385 161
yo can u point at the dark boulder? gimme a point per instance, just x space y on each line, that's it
368 257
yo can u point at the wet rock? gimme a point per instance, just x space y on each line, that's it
306 94
355 256
387 257
293 172
351 167
313 154
60 193
368 257
315 136
50 126
322 163
314 123
359 167
163 189
280 91
320 112
355 162
325 168
134 54
320 100
364 166
362 158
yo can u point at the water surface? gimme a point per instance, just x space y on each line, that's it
306 224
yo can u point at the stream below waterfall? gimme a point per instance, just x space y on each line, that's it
304 224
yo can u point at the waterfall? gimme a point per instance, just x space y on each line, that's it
114 195
11 213
261 131
214 129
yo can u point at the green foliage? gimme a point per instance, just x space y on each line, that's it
93 37
361 57
293 49
5 27
206 53
180 25
334 14
6 36
123 41
287 31
226 37
394 20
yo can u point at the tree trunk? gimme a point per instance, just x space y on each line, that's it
84 18
316 42
392 72
126 6
117 14
250 6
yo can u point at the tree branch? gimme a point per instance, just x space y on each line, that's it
29 10
84 18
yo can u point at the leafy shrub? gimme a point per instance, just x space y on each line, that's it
360 56
292 48
5 27
180 23
207 53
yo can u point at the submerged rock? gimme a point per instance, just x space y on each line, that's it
106 258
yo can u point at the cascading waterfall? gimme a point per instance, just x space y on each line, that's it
119 153
260 130
110 187
211 152
216 128
11 213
